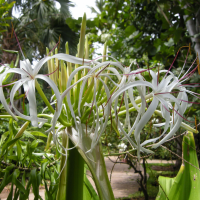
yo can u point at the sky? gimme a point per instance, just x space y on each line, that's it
81 6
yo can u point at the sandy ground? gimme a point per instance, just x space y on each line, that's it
123 180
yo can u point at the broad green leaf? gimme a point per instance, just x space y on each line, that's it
165 184
187 182
129 30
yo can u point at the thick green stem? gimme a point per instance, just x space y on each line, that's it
97 168
75 173
61 195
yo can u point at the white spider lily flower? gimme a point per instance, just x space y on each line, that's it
28 81
95 73
28 76
161 94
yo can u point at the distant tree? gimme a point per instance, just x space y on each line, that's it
40 25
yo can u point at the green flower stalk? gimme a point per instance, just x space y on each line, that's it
61 194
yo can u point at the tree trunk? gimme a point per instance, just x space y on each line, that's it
193 31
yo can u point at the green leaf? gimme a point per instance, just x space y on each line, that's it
13 141
19 150
43 169
11 193
89 192
34 144
13 158
7 177
186 184
28 134
129 30
165 184
38 133
5 145
16 195
20 186
35 183
3 137
10 51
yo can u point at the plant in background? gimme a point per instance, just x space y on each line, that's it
87 94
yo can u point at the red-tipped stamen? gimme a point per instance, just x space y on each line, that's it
52 72
121 102
102 69
28 73
177 113
139 71
106 56
7 84
189 74
184 63
18 41
188 101
4 65
110 97
193 93
53 48
168 92
174 60
191 84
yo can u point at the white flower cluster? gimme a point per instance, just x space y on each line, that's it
107 82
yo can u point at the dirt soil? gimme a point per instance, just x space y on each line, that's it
123 180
